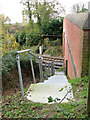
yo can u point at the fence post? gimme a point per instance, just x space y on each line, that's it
32 67
41 71
20 75
46 71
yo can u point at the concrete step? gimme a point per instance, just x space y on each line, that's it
56 79
41 91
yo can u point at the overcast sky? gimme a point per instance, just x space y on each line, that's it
13 8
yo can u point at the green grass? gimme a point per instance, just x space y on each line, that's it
14 107
60 69
54 50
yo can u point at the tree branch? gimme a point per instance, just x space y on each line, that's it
58 103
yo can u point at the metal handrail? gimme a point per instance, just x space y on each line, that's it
22 51
40 58
27 50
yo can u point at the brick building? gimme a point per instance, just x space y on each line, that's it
75 44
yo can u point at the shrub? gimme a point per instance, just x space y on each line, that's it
10 76
22 38
53 29
16 36
8 62
33 39
8 47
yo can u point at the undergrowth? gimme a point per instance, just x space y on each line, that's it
10 75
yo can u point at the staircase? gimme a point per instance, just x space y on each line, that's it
57 61
55 81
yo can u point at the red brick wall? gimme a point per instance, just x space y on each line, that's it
75 37
67 57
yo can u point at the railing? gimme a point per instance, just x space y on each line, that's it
49 68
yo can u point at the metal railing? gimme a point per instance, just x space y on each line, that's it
49 68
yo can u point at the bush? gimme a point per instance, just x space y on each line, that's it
16 36
56 42
33 39
8 47
10 76
53 29
46 42
9 62
22 38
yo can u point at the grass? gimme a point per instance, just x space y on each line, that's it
61 69
15 107
54 51
52 48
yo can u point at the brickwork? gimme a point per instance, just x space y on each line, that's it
74 35
67 57
75 48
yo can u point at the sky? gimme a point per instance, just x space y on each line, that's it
13 8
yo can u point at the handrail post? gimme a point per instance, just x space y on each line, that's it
46 71
32 67
52 68
20 75
41 70
49 69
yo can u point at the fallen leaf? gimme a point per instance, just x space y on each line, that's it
32 107
84 112
61 89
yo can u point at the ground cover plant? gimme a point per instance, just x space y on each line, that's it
15 107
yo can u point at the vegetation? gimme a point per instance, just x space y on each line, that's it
10 74
38 34
79 8
47 31
47 17
14 107
29 34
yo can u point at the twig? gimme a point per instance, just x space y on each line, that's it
58 104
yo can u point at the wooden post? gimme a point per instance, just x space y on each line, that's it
88 101
32 67
46 71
